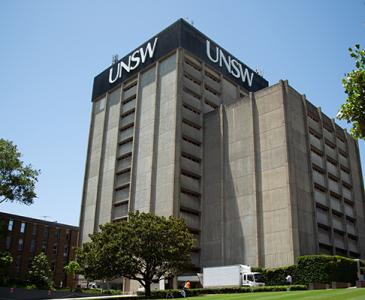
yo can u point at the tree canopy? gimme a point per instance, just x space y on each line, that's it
144 248
17 180
5 262
353 110
72 268
40 272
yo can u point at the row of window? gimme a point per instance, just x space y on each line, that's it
327 128
23 225
330 146
32 247
125 148
18 262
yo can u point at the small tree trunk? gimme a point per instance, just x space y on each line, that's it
73 282
147 289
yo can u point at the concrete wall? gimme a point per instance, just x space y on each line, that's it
87 219
164 198
302 205
212 234
107 176
358 192
229 212
277 244
144 138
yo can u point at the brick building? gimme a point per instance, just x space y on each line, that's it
26 237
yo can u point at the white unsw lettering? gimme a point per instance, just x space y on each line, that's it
134 60
232 65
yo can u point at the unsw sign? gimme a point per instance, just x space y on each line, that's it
180 34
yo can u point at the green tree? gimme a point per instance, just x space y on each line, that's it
5 261
40 272
17 180
144 248
72 268
353 110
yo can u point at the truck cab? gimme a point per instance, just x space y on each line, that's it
252 279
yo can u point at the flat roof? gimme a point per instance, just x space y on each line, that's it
33 220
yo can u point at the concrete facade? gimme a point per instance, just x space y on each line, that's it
259 177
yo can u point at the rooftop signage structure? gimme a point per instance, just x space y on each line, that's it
180 34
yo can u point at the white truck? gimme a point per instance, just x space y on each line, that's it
229 276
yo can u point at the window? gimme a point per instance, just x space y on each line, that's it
18 262
30 262
20 244
10 225
45 232
22 227
53 266
44 246
54 250
57 234
65 251
8 242
32 246
67 235
34 229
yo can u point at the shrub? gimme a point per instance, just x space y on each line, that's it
277 276
326 268
232 290
31 287
314 268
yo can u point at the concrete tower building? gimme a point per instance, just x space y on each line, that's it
181 127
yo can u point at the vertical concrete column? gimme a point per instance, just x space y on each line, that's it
86 175
144 142
222 190
104 206
293 177
358 191
166 145
132 187
258 184
155 141
178 135
87 221
326 183
314 221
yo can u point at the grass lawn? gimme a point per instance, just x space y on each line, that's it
339 294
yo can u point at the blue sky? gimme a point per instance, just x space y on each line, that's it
50 52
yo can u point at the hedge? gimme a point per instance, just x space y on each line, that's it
233 290
277 276
314 268
326 269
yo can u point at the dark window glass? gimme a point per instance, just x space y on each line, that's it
54 250
20 244
32 246
34 229
8 242
65 251
45 232
18 262
44 246
57 234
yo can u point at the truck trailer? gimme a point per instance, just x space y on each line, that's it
230 276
